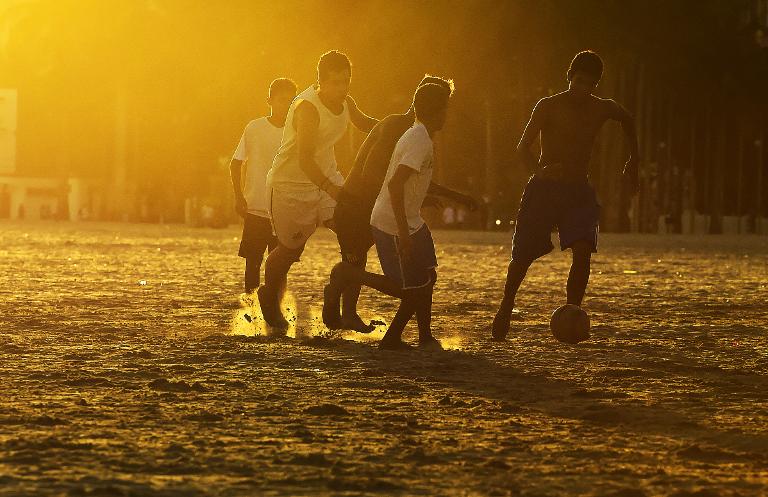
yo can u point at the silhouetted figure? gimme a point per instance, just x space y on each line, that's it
5 202
352 216
304 181
256 150
558 194
403 240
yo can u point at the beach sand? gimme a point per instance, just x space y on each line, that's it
131 366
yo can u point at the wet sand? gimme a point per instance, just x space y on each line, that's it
130 365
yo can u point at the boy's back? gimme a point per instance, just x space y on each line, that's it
569 125
370 167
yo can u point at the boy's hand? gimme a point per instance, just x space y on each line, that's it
241 206
630 176
405 247
333 190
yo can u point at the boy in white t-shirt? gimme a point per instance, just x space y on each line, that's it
403 240
257 148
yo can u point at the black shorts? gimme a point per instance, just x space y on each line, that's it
352 223
570 206
257 237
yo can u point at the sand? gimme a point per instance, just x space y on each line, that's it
129 367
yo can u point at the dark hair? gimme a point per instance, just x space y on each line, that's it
333 61
587 62
437 80
430 100
282 85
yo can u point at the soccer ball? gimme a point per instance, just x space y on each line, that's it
570 324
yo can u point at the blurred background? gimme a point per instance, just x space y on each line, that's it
130 109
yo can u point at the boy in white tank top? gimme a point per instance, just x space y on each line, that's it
304 180
256 150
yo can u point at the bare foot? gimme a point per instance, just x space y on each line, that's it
331 302
270 309
394 344
356 323
430 343
500 327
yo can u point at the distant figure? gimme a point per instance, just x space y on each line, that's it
461 218
5 202
558 194
304 181
448 216
352 216
484 212
256 150
403 241
206 214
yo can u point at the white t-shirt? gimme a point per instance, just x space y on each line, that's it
286 175
258 146
414 150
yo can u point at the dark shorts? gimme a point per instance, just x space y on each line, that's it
571 207
418 272
352 223
257 237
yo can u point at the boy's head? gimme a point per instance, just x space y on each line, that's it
431 104
334 72
282 91
585 71
436 80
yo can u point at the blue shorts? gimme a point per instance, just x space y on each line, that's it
418 271
570 206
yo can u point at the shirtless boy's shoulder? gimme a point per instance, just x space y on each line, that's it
611 108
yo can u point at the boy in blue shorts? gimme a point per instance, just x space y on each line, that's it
403 240
559 194
352 215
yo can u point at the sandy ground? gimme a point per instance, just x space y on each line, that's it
128 367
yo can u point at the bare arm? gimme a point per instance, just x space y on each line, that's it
359 119
396 189
235 174
443 191
532 131
307 121
627 121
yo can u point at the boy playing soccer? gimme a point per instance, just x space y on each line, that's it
558 194
257 149
304 180
352 216
403 241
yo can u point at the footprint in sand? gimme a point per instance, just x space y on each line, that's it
164 385
326 410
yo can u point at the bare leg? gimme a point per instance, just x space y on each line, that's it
276 269
350 319
393 337
578 277
349 274
515 275
344 275
252 273
424 315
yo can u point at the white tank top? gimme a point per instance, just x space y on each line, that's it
286 175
